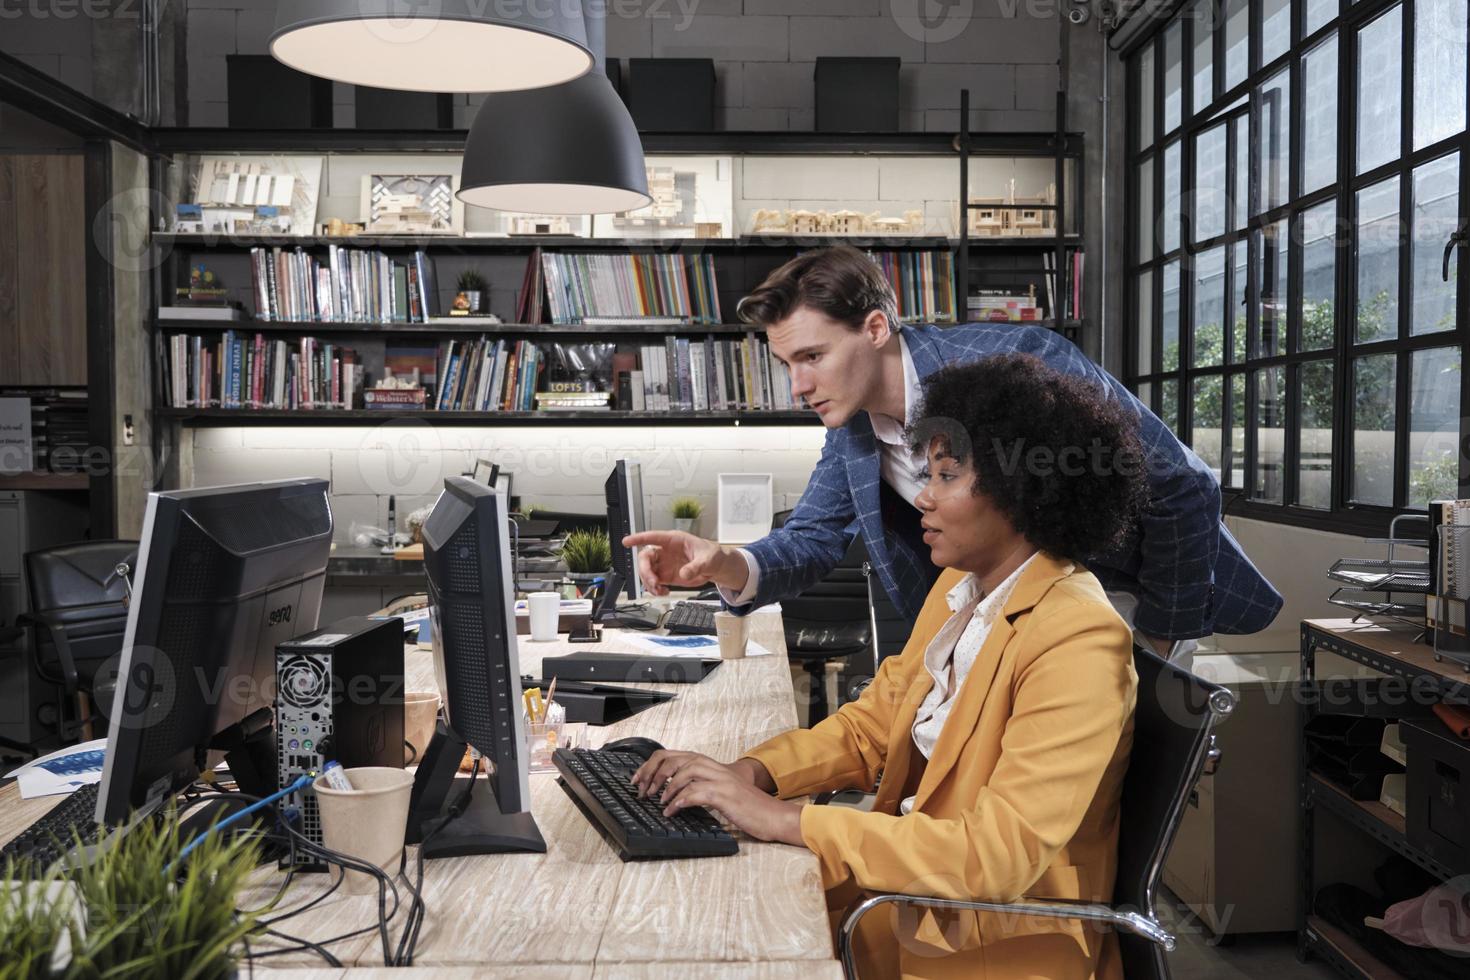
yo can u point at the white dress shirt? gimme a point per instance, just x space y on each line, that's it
949 657
899 467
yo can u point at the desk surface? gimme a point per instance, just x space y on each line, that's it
1391 648
577 911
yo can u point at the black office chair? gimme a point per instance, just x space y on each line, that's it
831 620
77 618
1176 714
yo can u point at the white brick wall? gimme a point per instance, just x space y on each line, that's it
764 53
561 469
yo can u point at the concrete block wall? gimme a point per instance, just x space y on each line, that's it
556 468
55 41
765 55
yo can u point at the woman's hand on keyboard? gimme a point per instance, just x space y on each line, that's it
685 779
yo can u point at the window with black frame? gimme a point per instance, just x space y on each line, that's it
1294 313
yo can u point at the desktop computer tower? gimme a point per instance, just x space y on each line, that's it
339 697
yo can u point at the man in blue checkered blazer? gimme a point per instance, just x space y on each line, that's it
829 317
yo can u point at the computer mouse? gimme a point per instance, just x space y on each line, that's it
641 747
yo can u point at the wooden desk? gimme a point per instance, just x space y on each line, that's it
577 911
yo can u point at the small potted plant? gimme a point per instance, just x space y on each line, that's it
472 288
686 512
587 554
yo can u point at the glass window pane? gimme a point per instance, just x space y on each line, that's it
1435 217
1318 13
1239 280
1207 416
1242 170
1202 29
1319 276
1169 213
1145 323
1314 436
1209 183
1434 425
1148 219
1374 381
1270 426
1173 75
1275 29
1319 115
1237 41
1380 58
1377 315
1146 394
1169 310
1169 404
1272 244
1209 307
1439 70
1145 107
1273 154
1235 471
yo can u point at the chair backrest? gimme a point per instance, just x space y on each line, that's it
80 574
1175 715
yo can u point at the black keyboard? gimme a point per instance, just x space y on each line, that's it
54 835
600 782
692 618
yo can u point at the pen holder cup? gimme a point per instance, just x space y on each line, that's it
545 738
367 822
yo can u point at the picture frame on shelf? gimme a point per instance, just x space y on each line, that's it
693 197
412 204
745 507
251 194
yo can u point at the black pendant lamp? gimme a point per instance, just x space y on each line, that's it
434 45
567 149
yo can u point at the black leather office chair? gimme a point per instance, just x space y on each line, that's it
831 620
1176 714
77 618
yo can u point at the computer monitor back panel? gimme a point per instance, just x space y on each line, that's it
624 496
467 559
224 574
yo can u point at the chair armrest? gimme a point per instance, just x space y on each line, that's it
1133 922
54 627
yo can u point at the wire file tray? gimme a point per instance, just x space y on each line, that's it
1393 587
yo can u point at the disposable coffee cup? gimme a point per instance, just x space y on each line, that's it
367 822
544 609
420 712
733 632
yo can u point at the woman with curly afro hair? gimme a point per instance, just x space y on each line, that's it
1003 730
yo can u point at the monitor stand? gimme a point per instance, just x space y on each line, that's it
482 828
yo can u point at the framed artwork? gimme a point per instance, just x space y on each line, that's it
252 195
745 507
412 204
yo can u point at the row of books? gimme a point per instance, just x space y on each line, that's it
488 375
705 375
351 286
608 290
236 371
1076 258
924 283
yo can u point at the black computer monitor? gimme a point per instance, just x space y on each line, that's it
472 614
223 575
624 492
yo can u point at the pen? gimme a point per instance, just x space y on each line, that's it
550 698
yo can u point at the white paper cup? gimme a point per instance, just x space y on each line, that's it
733 632
544 609
367 822
420 712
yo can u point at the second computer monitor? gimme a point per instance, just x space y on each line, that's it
624 491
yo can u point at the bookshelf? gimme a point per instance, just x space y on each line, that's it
741 261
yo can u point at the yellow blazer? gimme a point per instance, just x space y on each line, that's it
1020 797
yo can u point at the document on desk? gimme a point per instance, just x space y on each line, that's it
62 771
694 647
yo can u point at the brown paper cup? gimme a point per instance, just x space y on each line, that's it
368 822
733 632
420 712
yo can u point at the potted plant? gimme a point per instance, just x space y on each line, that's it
132 912
686 512
587 553
473 288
